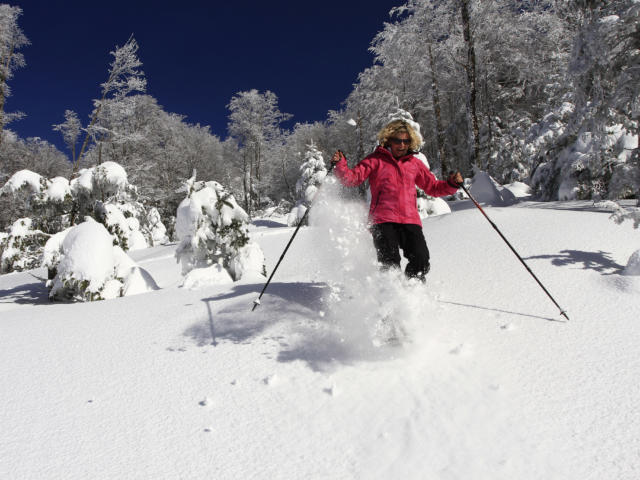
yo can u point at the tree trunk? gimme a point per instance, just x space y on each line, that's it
440 140
258 158
246 182
470 67
286 182
489 114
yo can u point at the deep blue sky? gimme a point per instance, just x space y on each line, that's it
195 54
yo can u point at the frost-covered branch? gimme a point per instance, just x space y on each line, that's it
621 214
124 77
11 40
70 130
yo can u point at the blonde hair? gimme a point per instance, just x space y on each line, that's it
399 126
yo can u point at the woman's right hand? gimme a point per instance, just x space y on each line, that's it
337 156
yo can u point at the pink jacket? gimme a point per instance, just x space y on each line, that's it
393 182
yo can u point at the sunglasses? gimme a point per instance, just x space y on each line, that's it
398 141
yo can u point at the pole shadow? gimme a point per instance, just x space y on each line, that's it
492 309
238 324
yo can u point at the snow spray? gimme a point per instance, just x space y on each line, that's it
363 301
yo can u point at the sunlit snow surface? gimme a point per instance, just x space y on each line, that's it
490 382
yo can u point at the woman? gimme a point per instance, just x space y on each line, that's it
393 172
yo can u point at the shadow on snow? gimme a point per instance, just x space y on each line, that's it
238 324
599 261
313 339
268 223
35 293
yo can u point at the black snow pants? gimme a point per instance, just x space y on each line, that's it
388 238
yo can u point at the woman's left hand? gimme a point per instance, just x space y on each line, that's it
455 179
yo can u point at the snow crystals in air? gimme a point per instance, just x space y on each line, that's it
368 306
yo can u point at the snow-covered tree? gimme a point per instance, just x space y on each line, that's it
254 121
11 41
312 174
70 129
157 229
425 65
124 77
213 232
596 156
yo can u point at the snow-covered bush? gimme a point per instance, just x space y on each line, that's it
87 266
21 247
431 206
47 202
101 192
124 227
213 229
105 193
619 215
313 172
34 182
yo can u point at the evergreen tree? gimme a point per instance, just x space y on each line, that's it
313 172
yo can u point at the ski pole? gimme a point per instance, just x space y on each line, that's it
562 311
256 302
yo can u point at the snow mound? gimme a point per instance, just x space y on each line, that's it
486 190
139 281
248 263
207 277
519 189
633 265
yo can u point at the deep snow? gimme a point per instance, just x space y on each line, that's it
492 383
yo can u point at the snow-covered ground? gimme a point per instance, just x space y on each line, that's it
491 382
